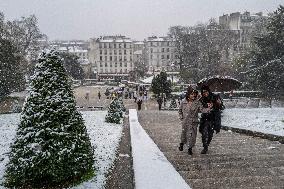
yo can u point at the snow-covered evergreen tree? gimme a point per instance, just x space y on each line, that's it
121 106
114 112
52 147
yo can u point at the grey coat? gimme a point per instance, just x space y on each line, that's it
188 112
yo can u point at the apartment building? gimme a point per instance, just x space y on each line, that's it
111 57
241 23
161 54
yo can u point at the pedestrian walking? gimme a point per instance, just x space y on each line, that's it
188 114
212 120
99 95
160 102
135 96
139 102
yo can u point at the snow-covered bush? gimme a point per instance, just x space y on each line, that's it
52 147
114 112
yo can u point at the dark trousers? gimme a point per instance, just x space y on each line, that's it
206 130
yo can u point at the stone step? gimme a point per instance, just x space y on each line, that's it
239 182
222 159
218 173
188 166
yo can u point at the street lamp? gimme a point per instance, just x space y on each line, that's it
172 68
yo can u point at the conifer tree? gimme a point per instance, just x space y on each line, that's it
114 112
52 147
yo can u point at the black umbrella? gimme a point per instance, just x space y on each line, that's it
220 83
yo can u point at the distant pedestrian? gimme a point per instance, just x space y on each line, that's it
188 114
99 95
87 97
139 102
145 95
135 96
160 102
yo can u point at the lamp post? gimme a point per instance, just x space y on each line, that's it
172 68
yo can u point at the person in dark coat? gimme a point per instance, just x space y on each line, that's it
209 121
160 102
99 95
139 102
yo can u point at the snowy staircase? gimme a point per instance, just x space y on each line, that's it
233 160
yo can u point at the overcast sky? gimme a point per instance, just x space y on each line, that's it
138 19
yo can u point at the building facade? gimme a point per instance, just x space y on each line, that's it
111 57
161 54
243 24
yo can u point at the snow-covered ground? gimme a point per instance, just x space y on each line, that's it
104 136
264 120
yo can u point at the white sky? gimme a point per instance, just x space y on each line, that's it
138 19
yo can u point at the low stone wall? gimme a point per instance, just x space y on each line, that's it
253 103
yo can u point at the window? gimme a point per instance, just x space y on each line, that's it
124 45
120 64
110 58
119 52
163 50
125 52
100 45
101 52
110 52
114 45
168 50
115 58
105 58
120 70
126 70
110 64
102 70
168 56
125 64
115 65
130 51
105 51
125 59
119 45
101 64
162 57
151 50
105 64
120 58
101 58
131 58
114 52
105 46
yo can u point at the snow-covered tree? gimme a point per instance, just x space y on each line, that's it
72 65
11 79
121 105
114 113
52 147
265 61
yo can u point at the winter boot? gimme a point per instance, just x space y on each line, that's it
189 151
204 151
180 147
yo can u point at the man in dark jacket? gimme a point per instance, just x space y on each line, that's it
209 121
160 101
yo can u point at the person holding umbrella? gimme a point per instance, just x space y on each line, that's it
209 121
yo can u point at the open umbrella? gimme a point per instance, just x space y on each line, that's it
220 83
